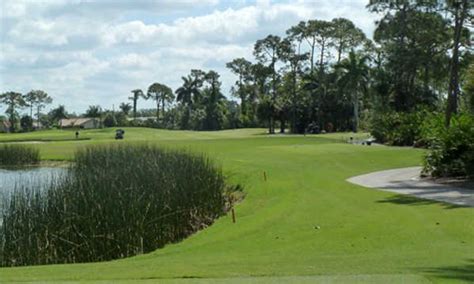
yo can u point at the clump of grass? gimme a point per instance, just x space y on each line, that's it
18 155
116 201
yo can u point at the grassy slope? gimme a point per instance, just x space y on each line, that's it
365 235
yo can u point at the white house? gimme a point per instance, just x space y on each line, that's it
85 123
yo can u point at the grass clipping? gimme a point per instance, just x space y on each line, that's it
115 202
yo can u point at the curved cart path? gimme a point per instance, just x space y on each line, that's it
407 181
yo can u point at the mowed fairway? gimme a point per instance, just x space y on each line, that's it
304 224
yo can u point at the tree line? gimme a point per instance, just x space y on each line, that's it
327 76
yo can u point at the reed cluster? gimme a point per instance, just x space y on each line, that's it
18 155
115 202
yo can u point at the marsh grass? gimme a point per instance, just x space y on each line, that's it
115 202
18 155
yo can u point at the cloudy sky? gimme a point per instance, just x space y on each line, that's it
94 52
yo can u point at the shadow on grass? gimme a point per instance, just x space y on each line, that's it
410 200
461 273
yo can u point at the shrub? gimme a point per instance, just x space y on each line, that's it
398 128
18 155
451 149
116 201
26 123
110 120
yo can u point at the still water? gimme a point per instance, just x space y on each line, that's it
27 178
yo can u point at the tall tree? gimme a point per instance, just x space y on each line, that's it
13 101
461 12
469 89
212 100
161 94
187 94
137 93
294 60
354 78
58 113
412 36
30 100
38 99
242 68
266 51
346 35
306 31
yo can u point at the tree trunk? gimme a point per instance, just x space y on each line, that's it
157 110
282 125
38 116
321 57
453 89
293 119
312 55
163 109
135 109
339 52
356 112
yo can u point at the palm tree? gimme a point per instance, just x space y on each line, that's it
137 93
161 94
354 78
125 108
188 94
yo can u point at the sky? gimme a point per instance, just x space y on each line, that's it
95 52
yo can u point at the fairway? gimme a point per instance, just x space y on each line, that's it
303 224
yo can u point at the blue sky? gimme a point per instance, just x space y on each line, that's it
94 52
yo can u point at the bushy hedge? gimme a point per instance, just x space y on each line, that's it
451 150
116 201
397 128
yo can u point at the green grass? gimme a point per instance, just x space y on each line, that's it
364 235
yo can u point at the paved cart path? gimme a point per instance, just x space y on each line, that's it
408 181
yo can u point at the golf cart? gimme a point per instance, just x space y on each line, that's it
119 133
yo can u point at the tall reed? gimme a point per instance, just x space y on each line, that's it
18 155
116 201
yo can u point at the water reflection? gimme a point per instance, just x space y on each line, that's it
27 178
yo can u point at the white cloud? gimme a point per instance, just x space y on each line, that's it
95 52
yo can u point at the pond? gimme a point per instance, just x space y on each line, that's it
30 178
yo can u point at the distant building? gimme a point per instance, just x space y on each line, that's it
141 118
37 125
4 126
85 123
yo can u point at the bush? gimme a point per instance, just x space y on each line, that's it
110 120
451 149
115 201
398 128
26 123
18 155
